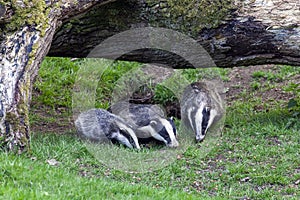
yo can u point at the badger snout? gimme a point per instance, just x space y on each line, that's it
200 138
173 144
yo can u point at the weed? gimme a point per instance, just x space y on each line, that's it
163 95
294 103
108 82
205 73
255 85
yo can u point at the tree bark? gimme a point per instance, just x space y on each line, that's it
23 46
232 32
256 33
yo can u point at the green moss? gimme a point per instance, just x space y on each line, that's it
31 12
15 122
20 121
12 119
189 15
32 55
15 142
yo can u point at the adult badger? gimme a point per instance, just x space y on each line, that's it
148 122
102 126
200 108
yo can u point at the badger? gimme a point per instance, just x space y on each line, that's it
102 126
148 122
200 108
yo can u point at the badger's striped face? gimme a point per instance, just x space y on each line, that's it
165 131
200 119
171 121
124 135
160 129
127 138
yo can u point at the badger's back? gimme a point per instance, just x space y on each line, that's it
96 124
137 114
93 124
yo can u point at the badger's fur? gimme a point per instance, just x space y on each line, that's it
148 121
201 106
102 126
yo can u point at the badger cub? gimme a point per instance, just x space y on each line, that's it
102 126
200 108
148 121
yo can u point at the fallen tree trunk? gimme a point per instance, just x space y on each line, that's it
233 33
254 34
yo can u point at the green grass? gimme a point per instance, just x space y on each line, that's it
277 75
255 147
256 158
107 83
26 178
56 77
208 73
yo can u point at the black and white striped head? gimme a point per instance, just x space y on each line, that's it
123 134
200 118
200 107
163 130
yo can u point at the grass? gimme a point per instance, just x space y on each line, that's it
256 158
278 75
59 75
23 178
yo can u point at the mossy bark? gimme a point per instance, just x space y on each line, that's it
27 29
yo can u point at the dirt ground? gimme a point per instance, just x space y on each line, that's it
241 77
60 120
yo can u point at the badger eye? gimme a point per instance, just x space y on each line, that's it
122 130
207 109
172 119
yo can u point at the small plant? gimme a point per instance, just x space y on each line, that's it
163 95
294 103
288 71
258 74
108 81
255 85
269 76
206 73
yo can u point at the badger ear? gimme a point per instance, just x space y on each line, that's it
172 121
111 135
193 108
207 108
196 90
153 122
122 130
